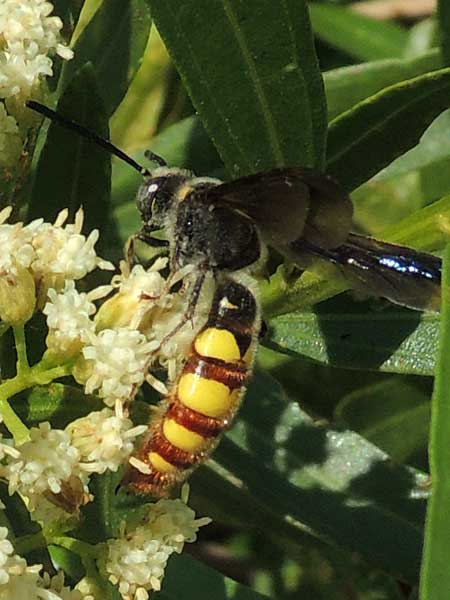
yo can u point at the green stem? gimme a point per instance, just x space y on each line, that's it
83 549
15 425
24 379
21 348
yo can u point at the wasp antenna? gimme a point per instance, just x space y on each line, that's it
87 134
152 157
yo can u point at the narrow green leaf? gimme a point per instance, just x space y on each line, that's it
67 561
394 340
58 403
73 172
422 37
435 576
357 35
188 578
423 229
113 41
430 153
256 84
347 86
443 11
393 415
368 137
333 483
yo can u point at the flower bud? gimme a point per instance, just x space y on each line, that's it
139 292
17 296
117 311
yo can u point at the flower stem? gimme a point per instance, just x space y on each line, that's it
83 549
21 348
15 425
25 378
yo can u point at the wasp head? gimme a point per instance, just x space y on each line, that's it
157 196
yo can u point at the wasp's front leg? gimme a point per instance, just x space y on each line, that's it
145 236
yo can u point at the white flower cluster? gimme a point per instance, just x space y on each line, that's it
116 361
105 439
40 256
28 35
18 580
56 463
117 346
137 560
43 464
109 351
113 348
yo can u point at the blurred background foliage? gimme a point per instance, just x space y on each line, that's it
319 491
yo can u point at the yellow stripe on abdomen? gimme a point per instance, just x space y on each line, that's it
217 343
160 464
206 396
181 437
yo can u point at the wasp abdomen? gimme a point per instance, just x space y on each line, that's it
206 394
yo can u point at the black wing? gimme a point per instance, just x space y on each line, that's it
288 204
305 213
400 274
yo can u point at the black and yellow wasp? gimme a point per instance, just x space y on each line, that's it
221 230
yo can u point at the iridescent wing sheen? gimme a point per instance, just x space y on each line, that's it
398 273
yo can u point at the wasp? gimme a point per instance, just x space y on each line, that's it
222 230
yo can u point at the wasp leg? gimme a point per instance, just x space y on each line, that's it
143 236
187 315
190 309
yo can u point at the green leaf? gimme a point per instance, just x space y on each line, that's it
394 340
188 578
58 403
67 561
357 35
393 415
432 150
101 519
435 576
331 483
443 11
72 171
256 83
347 86
422 37
368 137
416 179
113 41
423 229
